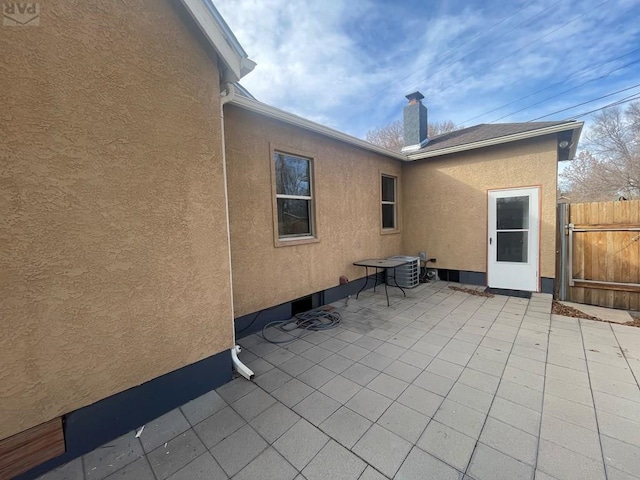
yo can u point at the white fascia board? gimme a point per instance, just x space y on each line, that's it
498 140
238 64
263 109
290 118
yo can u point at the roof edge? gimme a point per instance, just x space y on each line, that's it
221 37
575 138
290 118
569 125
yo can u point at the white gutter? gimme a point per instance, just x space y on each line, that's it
498 140
226 97
292 119
221 37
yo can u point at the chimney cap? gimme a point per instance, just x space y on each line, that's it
414 97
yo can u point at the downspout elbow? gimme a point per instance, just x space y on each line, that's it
240 367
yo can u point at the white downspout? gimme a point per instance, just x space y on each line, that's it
240 367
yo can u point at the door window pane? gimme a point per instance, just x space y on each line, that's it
292 176
513 247
512 213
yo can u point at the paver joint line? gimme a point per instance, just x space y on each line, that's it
593 399
546 362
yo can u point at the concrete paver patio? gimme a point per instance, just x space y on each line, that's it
441 385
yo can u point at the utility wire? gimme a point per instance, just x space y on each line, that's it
589 101
443 58
575 74
630 98
537 39
566 91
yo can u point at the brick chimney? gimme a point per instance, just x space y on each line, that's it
415 123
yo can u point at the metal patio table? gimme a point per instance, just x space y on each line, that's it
380 263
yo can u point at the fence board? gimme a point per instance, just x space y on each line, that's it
634 254
607 295
589 217
578 293
608 254
620 212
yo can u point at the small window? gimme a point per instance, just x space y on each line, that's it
389 192
294 196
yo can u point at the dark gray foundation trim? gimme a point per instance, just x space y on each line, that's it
255 322
473 278
480 278
89 427
547 285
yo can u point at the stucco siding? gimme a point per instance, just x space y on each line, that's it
445 201
347 198
115 265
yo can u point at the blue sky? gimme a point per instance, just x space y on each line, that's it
348 64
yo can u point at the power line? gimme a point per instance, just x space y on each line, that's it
566 91
533 41
465 43
630 98
584 103
476 36
575 74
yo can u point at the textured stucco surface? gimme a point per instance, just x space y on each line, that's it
347 195
115 265
445 201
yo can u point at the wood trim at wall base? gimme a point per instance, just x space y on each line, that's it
94 425
26 450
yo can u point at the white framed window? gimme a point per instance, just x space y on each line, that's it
389 192
294 196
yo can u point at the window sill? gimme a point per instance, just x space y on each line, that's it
389 231
287 242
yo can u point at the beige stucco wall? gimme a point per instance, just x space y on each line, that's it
114 266
445 201
347 195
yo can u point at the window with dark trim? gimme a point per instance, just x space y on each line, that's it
294 195
389 211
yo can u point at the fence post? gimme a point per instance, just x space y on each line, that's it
563 217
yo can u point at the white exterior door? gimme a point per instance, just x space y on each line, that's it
514 233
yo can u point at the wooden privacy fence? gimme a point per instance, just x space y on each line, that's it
600 253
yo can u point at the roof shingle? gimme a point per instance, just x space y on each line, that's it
482 132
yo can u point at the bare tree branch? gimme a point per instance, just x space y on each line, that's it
438 128
610 165
392 135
